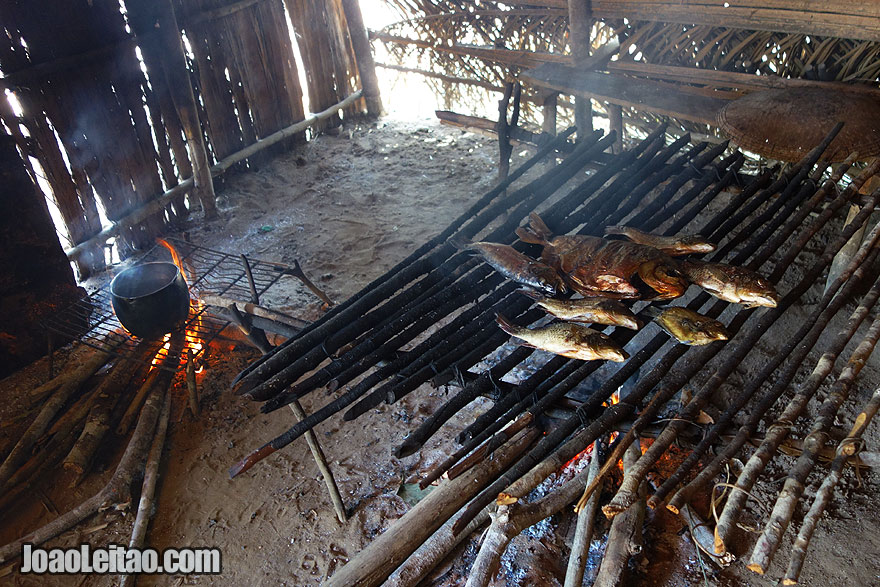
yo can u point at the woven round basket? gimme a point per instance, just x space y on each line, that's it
786 124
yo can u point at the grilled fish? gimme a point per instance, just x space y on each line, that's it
574 341
591 310
671 245
687 326
731 284
516 266
596 266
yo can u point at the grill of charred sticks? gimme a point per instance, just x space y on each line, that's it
766 226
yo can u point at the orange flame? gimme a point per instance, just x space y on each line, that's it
175 257
192 339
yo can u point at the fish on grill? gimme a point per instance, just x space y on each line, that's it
516 266
688 327
671 245
594 266
731 284
589 310
574 341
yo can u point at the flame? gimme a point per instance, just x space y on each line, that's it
614 399
175 257
192 340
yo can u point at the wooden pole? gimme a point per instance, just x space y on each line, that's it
177 76
615 124
551 102
580 21
360 43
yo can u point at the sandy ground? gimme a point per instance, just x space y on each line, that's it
348 207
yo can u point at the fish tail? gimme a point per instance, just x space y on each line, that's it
460 242
535 232
530 293
506 325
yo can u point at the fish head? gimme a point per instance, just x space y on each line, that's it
697 244
606 349
758 292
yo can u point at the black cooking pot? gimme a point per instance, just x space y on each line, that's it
150 299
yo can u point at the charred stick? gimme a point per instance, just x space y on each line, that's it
482 384
791 492
383 341
510 520
252 286
483 452
647 216
50 409
419 262
375 562
488 338
191 388
848 194
316 450
699 198
336 405
583 534
512 402
846 449
117 490
147 501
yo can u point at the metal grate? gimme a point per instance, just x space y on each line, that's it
92 321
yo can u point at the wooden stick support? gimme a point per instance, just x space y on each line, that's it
321 461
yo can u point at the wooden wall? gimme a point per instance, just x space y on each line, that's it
105 133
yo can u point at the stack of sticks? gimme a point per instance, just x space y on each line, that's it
767 223
78 413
